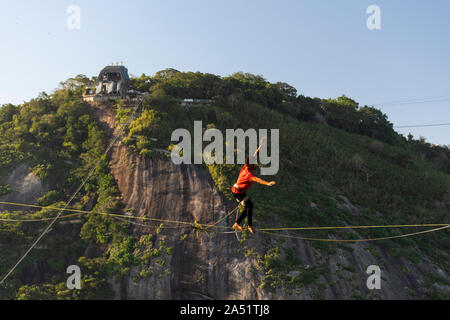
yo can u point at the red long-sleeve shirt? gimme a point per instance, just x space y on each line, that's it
244 181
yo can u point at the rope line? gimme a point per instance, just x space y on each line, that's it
358 240
265 231
358 227
40 219
223 218
89 212
208 226
423 126
150 226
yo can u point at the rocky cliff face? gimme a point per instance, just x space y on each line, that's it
210 266
201 266
26 187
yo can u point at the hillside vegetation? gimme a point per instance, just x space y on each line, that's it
331 151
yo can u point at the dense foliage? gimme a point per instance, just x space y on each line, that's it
57 137
330 150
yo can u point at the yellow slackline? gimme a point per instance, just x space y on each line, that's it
357 227
41 219
151 226
88 212
265 230
223 218
358 240
82 212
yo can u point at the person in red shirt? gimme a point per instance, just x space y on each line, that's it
240 188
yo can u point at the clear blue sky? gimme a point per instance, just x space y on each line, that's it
321 47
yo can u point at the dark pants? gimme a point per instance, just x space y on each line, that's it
248 209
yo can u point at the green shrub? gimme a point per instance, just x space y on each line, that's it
49 198
5 189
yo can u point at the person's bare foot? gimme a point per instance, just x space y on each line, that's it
237 227
251 230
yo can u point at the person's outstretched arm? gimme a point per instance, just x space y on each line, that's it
261 181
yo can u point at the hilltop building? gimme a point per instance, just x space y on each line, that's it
112 83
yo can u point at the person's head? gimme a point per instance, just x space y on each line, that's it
250 165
